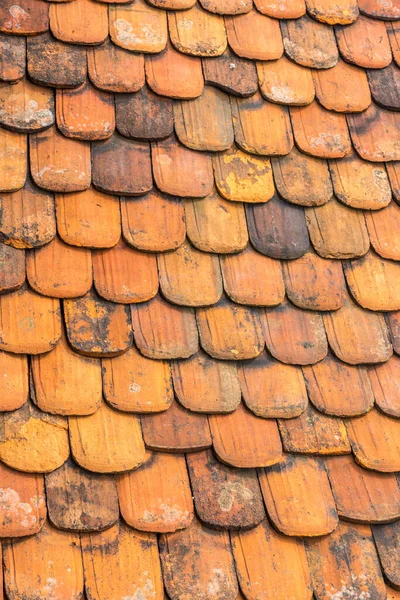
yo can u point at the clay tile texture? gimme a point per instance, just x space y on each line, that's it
199 300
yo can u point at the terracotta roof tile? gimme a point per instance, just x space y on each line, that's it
13 160
13 272
14 388
344 88
143 115
239 79
365 43
128 22
384 382
79 22
373 133
386 540
109 66
343 12
12 62
197 32
225 7
382 228
26 18
374 8
309 43
286 9
393 34
285 82
253 35
387 79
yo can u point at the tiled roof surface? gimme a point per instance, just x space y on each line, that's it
200 299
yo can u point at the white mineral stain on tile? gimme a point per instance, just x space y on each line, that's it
230 491
12 508
144 592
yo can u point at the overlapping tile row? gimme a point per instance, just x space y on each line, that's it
199 310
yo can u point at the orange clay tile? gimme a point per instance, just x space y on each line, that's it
393 321
206 122
229 331
385 86
197 32
59 164
96 327
205 385
154 223
85 113
59 271
79 22
298 497
27 217
227 7
278 229
241 177
28 17
32 441
163 330
231 73
54 63
358 336
374 134
254 36
56 377
122 274
176 430
270 565
385 385
314 433
253 279
49 562
144 115
12 273
344 88
345 562
90 219
302 179
121 562
134 383
13 160
115 70
393 31
365 43
271 389
284 82
122 166
386 538
107 441
337 231
172 4
29 323
224 497
13 387
360 495
374 282
285 9
173 74
180 171
78 500
138 27
295 336
12 61
198 559
216 225
380 10
243 440
189 277
314 283
359 183
23 503
309 43
320 132
393 170
375 441
332 12
157 496
338 389
261 127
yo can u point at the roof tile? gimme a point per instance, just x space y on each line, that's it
386 539
387 79
382 227
13 58
197 32
157 496
385 384
144 115
138 27
205 385
393 31
298 497
97 327
173 74
117 431
13 160
295 336
163 330
79 22
393 169
79 500
173 4
56 377
113 69
239 80
271 565
254 35
176 430
344 88
285 9
338 389
271 389
376 9
26 18
393 321
365 43
243 440
374 134
134 383
15 387
285 82
224 496
343 12
309 43
12 274
227 7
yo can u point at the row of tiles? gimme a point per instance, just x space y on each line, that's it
211 122
111 441
303 496
140 27
199 563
